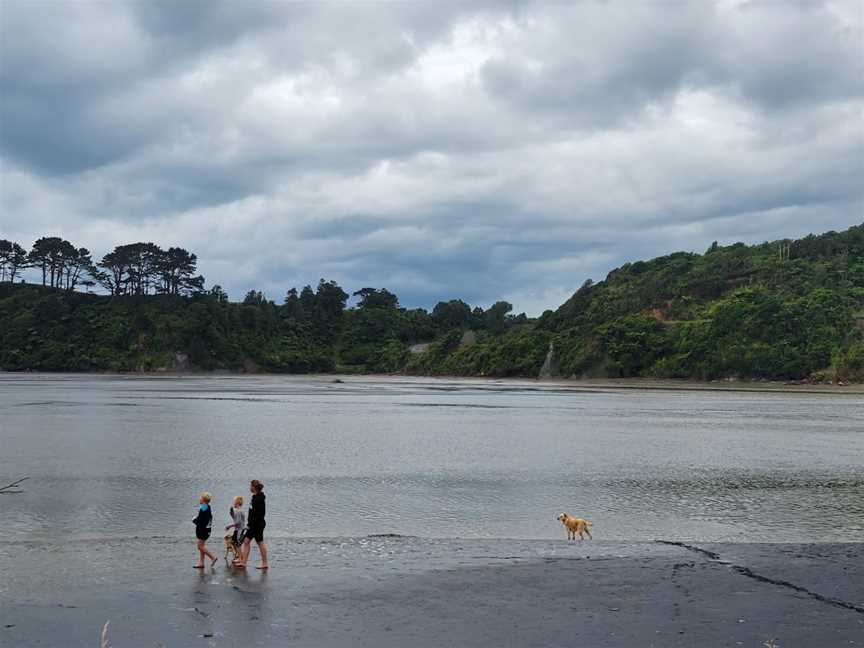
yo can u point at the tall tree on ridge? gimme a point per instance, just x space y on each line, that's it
45 255
330 300
76 265
497 316
13 258
219 294
453 314
138 268
307 303
176 269
143 264
62 264
376 298
292 304
113 273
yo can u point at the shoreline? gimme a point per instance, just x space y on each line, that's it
429 540
719 385
725 385
393 592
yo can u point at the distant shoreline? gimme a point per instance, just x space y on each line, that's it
723 385
718 385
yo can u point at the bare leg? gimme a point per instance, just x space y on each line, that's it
262 547
244 552
206 552
200 563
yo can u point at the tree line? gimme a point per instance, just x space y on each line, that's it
147 269
326 303
132 269
790 309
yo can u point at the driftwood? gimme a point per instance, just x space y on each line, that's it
14 487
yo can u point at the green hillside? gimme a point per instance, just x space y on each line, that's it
779 310
785 310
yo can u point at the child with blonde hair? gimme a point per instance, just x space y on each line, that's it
202 530
238 521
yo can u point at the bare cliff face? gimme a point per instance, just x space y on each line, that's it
181 362
550 367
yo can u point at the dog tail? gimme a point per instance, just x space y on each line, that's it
589 523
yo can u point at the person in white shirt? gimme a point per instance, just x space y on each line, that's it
238 521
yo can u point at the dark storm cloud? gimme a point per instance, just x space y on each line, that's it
482 150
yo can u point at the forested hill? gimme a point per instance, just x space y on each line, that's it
779 310
788 309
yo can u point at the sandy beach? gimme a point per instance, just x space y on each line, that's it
404 591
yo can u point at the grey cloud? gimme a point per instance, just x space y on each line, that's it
783 57
598 64
480 150
603 64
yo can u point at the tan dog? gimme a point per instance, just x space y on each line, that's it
576 525
231 548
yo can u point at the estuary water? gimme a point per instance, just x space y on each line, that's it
119 457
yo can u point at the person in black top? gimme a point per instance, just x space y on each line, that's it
202 530
255 524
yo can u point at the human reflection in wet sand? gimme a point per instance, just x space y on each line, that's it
229 604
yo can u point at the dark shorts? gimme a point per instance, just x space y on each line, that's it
202 534
255 534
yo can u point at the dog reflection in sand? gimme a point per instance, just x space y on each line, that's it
575 525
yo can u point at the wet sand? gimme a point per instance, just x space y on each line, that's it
387 592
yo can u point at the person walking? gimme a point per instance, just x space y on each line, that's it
255 524
238 522
202 522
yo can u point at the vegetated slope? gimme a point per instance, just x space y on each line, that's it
780 310
785 310
51 330
48 329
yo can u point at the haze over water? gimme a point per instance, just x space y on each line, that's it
117 457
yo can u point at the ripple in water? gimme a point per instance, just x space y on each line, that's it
121 457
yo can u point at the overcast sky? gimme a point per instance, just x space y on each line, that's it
500 150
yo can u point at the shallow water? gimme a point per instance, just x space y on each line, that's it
117 457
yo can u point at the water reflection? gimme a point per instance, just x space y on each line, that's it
119 457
